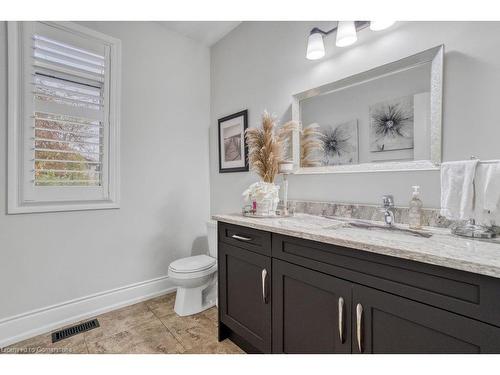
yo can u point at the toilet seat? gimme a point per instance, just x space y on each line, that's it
191 275
198 264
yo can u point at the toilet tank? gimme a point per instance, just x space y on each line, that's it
212 238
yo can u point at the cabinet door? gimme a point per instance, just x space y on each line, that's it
245 295
311 311
384 323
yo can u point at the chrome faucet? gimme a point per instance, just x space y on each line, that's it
388 209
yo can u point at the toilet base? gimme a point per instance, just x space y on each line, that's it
189 301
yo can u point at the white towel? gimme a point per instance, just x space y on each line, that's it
487 194
457 189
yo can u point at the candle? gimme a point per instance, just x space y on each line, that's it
286 168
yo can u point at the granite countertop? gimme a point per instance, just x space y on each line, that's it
442 249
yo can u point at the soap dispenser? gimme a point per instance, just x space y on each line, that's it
415 211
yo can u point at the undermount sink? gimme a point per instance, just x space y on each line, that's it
372 225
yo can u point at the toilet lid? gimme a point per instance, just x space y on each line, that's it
192 264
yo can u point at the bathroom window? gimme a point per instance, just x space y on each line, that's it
64 88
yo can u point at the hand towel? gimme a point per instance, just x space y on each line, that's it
457 189
487 194
492 186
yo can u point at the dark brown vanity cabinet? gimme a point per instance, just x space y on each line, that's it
245 295
280 294
387 324
311 311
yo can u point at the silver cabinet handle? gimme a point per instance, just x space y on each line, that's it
359 322
241 238
264 276
341 320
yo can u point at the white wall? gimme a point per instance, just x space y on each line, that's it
260 65
50 258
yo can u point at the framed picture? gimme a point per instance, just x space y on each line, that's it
340 143
391 125
232 145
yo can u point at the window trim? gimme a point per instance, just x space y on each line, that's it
15 126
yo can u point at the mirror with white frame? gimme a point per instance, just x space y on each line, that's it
384 119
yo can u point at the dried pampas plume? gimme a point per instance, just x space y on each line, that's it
267 147
285 136
310 142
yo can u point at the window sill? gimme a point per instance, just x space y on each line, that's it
58 207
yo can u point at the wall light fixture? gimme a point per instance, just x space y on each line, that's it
346 35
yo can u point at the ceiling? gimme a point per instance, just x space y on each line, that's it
206 32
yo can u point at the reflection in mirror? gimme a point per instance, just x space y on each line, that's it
386 118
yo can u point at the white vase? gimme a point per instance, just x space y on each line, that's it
264 207
266 197
267 205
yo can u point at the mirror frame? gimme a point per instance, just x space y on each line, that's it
435 56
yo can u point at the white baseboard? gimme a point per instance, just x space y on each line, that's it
32 323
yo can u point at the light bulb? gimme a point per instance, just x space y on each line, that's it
380 25
315 46
346 34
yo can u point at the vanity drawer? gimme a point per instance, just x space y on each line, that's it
247 238
462 292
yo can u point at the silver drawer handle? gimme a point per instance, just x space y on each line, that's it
264 276
359 322
341 320
241 238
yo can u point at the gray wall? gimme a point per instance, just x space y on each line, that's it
50 258
260 65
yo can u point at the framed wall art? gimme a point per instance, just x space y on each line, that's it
232 144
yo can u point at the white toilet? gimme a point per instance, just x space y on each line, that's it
195 278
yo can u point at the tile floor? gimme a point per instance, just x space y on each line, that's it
151 326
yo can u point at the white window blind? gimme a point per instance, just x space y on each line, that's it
64 119
68 114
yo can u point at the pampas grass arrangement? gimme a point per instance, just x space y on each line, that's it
267 147
311 141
